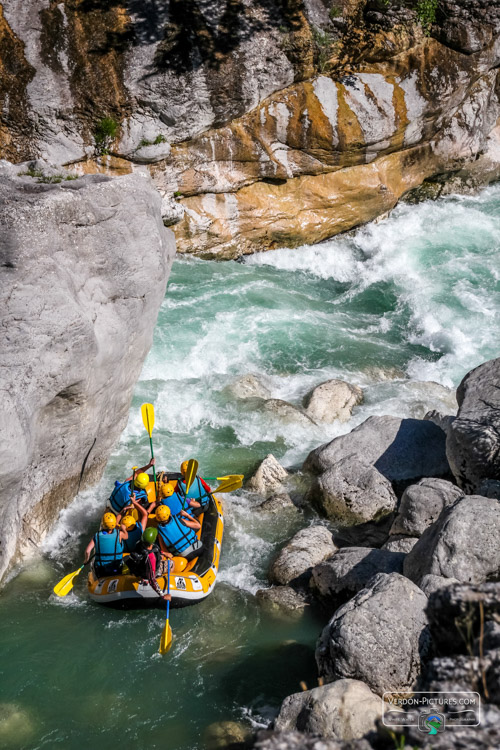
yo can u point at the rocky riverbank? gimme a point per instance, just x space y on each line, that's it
85 264
264 124
411 590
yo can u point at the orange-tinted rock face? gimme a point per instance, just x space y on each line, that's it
253 116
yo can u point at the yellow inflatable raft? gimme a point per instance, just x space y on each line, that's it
189 581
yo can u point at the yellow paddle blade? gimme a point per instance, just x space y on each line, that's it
166 639
64 587
230 484
148 417
191 472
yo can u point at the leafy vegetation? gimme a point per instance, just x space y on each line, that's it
104 134
323 42
159 139
426 13
335 12
50 179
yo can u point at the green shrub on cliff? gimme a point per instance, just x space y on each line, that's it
426 13
104 133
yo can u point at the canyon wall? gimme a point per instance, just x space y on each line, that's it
263 124
83 271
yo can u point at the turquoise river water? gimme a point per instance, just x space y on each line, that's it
403 308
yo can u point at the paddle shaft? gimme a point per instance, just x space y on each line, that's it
168 591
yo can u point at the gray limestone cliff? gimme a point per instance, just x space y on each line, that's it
83 269
264 123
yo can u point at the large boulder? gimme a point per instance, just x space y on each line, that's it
473 442
459 613
402 450
380 636
461 544
83 272
349 570
306 549
344 710
268 476
421 505
277 503
352 491
332 400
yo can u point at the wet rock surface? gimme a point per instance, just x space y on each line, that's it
283 599
332 400
80 260
268 476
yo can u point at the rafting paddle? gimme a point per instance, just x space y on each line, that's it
148 419
189 477
210 480
66 584
166 636
230 484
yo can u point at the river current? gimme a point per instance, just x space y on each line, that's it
404 308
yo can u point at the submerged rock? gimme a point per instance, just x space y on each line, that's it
380 636
332 400
268 476
421 505
277 503
283 599
249 386
306 549
222 734
285 411
344 710
84 269
461 544
473 442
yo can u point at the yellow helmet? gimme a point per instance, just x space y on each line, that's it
141 481
167 490
162 513
109 521
184 466
129 522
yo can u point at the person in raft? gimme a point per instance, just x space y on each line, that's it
199 490
108 545
178 504
144 561
135 528
120 497
178 534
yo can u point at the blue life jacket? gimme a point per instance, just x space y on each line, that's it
133 537
120 497
176 535
108 547
174 502
195 492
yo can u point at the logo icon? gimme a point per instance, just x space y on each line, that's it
432 723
